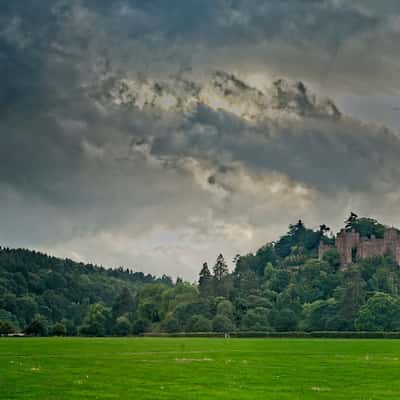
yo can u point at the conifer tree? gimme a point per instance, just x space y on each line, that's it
205 280
220 268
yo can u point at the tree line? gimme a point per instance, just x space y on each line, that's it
283 287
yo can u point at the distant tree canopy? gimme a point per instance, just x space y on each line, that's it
366 227
299 241
281 287
41 294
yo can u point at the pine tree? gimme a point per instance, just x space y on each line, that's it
205 274
351 221
205 280
220 268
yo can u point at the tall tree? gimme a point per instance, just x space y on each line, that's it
205 281
123 304
350 221
220 268
351 296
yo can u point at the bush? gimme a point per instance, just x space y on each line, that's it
171 324
97 321
380 313
70 327
7 327
7 316
256 320
285 320
38 327
225 308
199 323
222 324
122 326
59 329
140 326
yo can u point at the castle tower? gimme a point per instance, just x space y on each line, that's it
345 243
391 242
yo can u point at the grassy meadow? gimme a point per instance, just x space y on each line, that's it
154 368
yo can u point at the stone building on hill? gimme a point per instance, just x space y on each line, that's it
351 246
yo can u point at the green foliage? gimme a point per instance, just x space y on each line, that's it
62 291
254 264
172 324
256 319
332 258
97 321
322 315
37 327
366 227
205 281
285 320
7 316
380 313
150 302
299 240
124 303
183 294
199 323
7 327
317 280
59 329
222 280
351 295
140 326
220 268
225 307
221 323
122 326
279 280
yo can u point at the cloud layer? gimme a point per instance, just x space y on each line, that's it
88 172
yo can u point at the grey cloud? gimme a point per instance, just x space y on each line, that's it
98 181
305 38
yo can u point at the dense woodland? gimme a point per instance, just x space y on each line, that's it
282 287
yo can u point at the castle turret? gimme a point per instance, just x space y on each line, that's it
391 241
346 244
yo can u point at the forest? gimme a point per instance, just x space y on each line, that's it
282 287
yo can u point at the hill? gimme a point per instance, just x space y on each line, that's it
34 285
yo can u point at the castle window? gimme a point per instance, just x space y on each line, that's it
353 254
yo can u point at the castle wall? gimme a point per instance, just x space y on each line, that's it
349 242
371 247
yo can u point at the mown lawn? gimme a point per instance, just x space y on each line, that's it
155 369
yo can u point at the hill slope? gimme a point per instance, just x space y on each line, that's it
33 283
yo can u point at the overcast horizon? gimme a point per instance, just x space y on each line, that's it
157 134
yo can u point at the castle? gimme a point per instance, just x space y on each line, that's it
352 246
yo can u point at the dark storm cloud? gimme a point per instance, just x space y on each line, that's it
329 155
183 33
223 22
98 177
45 62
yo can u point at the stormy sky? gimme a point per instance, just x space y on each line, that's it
89 176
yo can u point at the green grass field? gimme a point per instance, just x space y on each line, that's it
199 369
